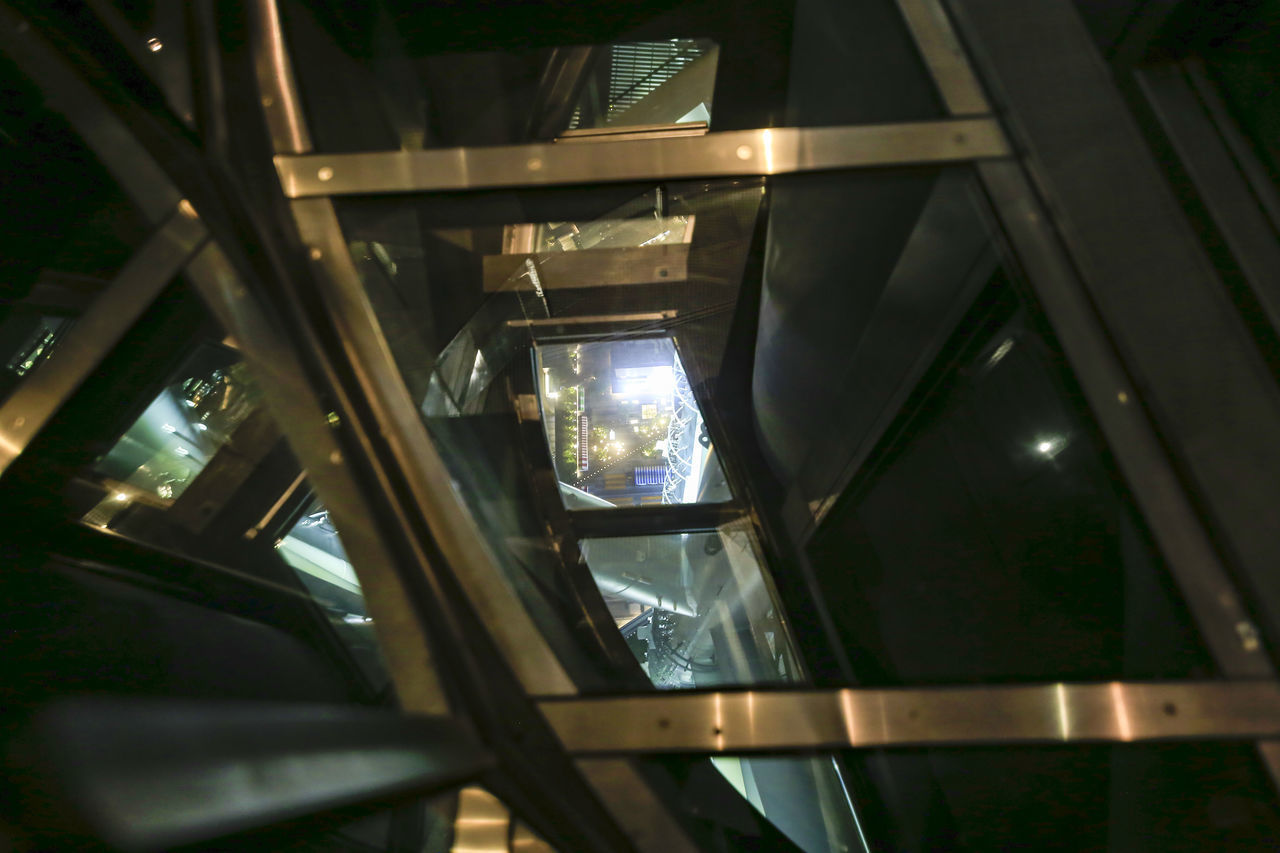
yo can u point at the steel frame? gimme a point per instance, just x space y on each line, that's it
1104 350
862 718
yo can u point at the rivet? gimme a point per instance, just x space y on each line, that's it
268 101
19 422
316 254
155 45
335 458
325 173
744 152
1122 397
533 164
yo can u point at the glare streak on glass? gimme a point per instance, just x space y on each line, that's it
719 732
1060 691
850 719
1122 711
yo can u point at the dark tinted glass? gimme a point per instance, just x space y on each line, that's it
204 471
436 74
1156 797
1236 42
979 531
696 609
66 228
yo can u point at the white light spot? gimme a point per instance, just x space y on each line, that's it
182 451
1045 447
1001 351
155 45
122 497
170 428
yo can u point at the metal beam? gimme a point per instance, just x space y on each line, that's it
802 720
772 151
99 329
949 67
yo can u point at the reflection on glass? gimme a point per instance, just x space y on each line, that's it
697 611
649 83
38 344
623 426
313 549
996 514
695 607
424 91
194 418
191 457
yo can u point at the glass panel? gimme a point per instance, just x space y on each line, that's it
314 550
204 471
1150 797
472 291
67 228
695 608
970 522
648 83
181 431
697 611
623 427
388 75
1235 41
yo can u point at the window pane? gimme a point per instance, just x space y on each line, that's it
314 550
695 608
471 291
697 611
392 75
623 427
67 228
969 522
212 404
1149 797
204 471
